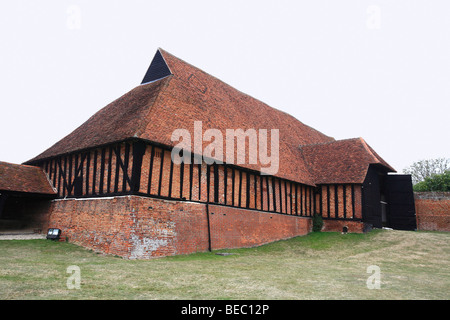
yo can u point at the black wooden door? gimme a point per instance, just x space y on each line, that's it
371 199
401 213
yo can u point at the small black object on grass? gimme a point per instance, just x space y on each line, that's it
53 234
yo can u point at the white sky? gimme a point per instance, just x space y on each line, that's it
373 69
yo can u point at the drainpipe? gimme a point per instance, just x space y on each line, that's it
207 206
209 227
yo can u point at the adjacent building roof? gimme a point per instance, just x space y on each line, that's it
23 178
342 161
174 94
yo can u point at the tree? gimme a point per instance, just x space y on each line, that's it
437 182
423 169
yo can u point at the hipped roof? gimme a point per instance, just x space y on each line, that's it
342 161
174 94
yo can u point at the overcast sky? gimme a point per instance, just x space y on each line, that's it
373 69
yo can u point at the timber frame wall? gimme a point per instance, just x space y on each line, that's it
341 201
137 167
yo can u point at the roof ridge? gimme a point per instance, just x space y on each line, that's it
309 167
19 164
366 147
163 52
325 143
375 155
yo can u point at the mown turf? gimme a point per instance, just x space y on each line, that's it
413 265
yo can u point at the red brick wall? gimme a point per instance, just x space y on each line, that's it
131 226
141 227
338 225
236 228
432 211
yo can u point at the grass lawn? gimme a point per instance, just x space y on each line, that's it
413 265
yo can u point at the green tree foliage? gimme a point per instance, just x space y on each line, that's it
423 169
437 182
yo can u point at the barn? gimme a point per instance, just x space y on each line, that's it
114 185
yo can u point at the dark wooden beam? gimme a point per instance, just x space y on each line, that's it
336 203
328 201
301 200
199 181
353 201
181 179
69 182
138 155
88 164
255 191
216 182
208 183
261 190
274 197
290 195
94 172
247 189
125 177
108 182
118 160
344 202
150 170
170 178
240 188
296 199
66 184
225 182
102 171
233 177
161 169
191 176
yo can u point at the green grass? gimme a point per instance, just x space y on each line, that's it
414 265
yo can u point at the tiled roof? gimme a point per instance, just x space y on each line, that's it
193 95
23 178
341 161
153 110
119 120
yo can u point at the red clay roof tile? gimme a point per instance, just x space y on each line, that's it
152 111
341 161
23 178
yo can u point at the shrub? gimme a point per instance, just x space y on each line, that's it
437 182
317 222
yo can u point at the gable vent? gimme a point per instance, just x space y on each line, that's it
158 69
